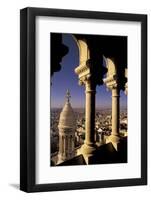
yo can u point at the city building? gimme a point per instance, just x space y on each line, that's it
67 126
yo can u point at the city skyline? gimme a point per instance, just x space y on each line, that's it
67 79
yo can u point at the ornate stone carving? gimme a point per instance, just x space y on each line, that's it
111 79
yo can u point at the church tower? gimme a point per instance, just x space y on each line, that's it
67 126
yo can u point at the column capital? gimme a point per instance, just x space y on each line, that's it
111 79
115 77
88 73
90 69
111 82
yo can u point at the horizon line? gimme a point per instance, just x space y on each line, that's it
84 107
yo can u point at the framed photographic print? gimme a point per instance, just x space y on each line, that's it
83 99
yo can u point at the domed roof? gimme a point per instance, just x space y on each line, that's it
67 117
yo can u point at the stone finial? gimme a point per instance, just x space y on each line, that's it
68 96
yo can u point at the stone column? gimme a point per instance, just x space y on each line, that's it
112 84
90 72
115 111
89 113
89 147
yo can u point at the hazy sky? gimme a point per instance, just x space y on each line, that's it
67 79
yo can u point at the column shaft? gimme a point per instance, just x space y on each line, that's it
89 115
115 111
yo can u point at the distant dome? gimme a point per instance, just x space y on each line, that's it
67 117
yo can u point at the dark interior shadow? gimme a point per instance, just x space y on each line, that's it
15 185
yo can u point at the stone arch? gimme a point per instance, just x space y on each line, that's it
84 53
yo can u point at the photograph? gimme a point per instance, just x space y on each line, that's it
88 99
83 99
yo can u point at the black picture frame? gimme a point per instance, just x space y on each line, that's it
28 98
